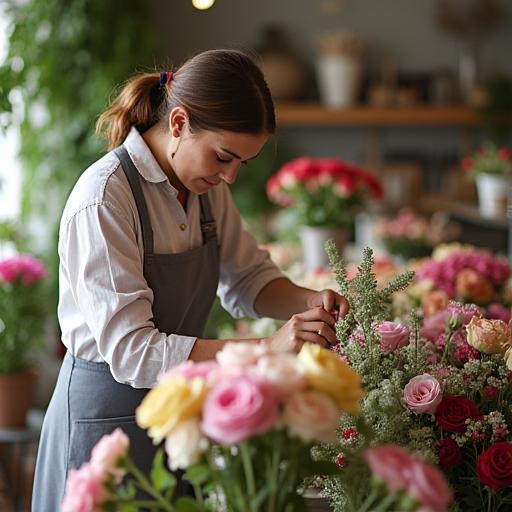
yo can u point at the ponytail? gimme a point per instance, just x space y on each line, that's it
139 104
220 89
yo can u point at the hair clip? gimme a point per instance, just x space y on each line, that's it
165 78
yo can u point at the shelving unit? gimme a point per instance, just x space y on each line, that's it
314 114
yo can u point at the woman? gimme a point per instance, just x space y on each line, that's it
148 236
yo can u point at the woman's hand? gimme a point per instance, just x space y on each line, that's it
332 302
315 325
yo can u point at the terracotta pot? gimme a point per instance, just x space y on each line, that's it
16 392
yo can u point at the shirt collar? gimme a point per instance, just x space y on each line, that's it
142 158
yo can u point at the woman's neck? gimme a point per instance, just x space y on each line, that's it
156 141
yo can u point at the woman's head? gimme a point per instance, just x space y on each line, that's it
220 90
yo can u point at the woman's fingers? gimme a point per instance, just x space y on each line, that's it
317 313
322 330
313 337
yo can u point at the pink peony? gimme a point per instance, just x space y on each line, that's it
499 312
84 490
283 373
422 394
241 353
238 408
190 369
389 463
108 452
392 336
312 416
24 267
429 488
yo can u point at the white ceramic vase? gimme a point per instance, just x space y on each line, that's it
493 192
313 239
338 80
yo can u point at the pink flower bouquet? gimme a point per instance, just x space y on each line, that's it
241 427
322 192
21 310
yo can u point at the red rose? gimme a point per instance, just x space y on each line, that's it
467 163
504 153
453 411
494 466
449 453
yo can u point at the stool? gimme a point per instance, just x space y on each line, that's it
17 448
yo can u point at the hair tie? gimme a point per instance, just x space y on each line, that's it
165 78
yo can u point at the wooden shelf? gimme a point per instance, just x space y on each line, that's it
312 114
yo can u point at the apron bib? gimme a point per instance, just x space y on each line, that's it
87 402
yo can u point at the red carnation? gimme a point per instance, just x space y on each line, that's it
504 153
467 163
494 466
449 453
453 411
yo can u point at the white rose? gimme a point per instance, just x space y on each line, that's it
184 444
312 416
241 353
283 373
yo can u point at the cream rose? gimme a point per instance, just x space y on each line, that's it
241 353
326 372
170 402
184 444
508 358
489 336
283 373
312 416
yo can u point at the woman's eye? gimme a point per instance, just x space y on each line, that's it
224 160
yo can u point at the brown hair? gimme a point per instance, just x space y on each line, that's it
220 89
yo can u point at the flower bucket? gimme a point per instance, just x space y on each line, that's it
493 191
313 238
338 80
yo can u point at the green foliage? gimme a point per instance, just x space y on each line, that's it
64 58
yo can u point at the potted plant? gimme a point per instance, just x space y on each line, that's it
21 326
491 168
323 196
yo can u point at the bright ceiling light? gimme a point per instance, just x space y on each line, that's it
202 5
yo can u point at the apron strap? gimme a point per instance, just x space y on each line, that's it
208 224
133 179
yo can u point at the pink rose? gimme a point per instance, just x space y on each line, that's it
241 353
428 487
84 490
24 267
422 394
107 453
434 325
312 416
189 370
392 336
283 374
389 463
238 408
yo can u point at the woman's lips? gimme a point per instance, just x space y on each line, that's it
212 183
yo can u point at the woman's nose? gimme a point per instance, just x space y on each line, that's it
229 175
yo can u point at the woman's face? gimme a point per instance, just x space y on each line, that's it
204 159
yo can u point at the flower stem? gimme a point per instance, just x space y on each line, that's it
146 486
249 473
447 344
274 470
369 501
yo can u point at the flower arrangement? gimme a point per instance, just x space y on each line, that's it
21 310
410 235
440 386
468 275
322 192
489 159
242 427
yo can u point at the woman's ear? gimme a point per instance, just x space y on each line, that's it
177 120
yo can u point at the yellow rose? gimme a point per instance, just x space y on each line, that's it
488 336
327 373
170 402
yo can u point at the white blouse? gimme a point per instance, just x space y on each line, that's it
105 304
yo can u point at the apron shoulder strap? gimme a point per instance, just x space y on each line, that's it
133 179
208 224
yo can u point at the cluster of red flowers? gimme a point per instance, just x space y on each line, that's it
344 178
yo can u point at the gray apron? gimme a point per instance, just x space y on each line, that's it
87 402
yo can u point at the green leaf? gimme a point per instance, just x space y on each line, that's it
127 491
161 477
127 507
260 497
187 504
198 474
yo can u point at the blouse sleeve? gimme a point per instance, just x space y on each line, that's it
102 265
